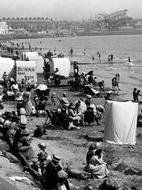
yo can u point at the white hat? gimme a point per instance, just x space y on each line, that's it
22 111
99 145
59 110
7 124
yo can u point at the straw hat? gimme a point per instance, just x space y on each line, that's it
56 159
23 125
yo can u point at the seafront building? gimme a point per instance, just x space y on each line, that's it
103 22
4 28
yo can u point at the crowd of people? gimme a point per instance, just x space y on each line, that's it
62 113
88 83
71 115
45 167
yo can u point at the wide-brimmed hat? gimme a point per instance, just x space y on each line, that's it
55 159
7 124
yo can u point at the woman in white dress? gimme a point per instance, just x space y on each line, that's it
97 166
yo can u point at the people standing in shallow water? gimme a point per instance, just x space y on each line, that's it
134 94
110 58
99 56
84 52
71 52
137 95
93 58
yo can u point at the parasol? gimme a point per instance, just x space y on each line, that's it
42 87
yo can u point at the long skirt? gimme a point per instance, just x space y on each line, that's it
99 171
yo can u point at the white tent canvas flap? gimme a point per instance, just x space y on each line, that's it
63 64
34 56
26 68
6 65
121 122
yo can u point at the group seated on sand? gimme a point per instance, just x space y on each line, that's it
68 115
44 167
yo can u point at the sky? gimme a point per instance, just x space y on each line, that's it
68 9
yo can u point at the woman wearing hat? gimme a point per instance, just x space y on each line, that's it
43 157
64 101
73 116
24 145
53 98
27 102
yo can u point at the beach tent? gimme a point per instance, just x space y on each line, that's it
26 68
63 64
6 65
121 122
38 59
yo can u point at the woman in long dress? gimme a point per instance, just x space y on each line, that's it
97 166
27 102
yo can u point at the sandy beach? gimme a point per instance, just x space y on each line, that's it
72 146
124 161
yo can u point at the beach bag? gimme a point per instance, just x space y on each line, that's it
62 175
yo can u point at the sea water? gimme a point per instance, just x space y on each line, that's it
121 46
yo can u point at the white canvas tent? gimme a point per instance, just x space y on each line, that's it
34 56
121 121
63 64
26 68
6 65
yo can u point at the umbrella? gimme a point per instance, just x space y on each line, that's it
42 87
